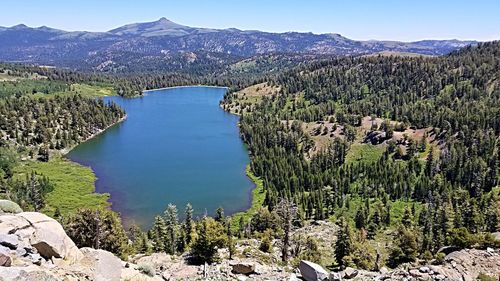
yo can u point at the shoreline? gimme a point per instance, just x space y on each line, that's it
65 151
191 86
256 193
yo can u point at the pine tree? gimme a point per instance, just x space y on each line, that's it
344 242
188 224
159 235
210 236
219 215
287 210
171 223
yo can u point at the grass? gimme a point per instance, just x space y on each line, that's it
397 209
73 185
258 197
92 91
364 152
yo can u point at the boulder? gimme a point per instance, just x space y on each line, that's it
29 273
335 276
349 273
43 233
9 240
242 267
312 272
424 269
166 276
5 260
105 265
415 273
155 260
9 207
448 249
383 270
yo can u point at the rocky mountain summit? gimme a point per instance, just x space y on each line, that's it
34 246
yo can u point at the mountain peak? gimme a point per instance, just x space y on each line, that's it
163 26
19 26
164 20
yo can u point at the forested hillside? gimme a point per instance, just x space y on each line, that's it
430 169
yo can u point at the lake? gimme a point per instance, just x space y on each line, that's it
176 146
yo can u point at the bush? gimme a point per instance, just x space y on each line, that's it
263 220
146 269
439 259
266 243
485 277
461 237
210 235
9 207
404 249
84 226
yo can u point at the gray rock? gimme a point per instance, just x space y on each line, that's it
105 265
9 240
312 272
293 277
5 260
383 270
439 277
490 250
33 273
335 276
35 258
415 273
242 267
21 252
424 269
349 273
166 276
46 235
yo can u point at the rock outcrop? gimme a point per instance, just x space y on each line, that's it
38 231
242 267
312 272
34 246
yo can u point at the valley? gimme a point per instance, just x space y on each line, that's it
160 151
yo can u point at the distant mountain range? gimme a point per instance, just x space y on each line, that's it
166 44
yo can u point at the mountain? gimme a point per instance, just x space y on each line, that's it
179 47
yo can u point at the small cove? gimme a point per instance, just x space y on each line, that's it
176 146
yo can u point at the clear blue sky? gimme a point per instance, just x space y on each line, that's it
370 19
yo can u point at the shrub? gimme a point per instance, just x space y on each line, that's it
9 207
210 235
263 220
485 277
146 269
105 225
266 243
439 259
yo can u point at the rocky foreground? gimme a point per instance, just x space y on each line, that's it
34 246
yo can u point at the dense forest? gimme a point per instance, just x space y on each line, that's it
447 184
423 191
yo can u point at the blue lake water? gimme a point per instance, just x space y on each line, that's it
176 146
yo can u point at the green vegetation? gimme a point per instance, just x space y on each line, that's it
364 153
437 184
73 185
99 229
258 196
